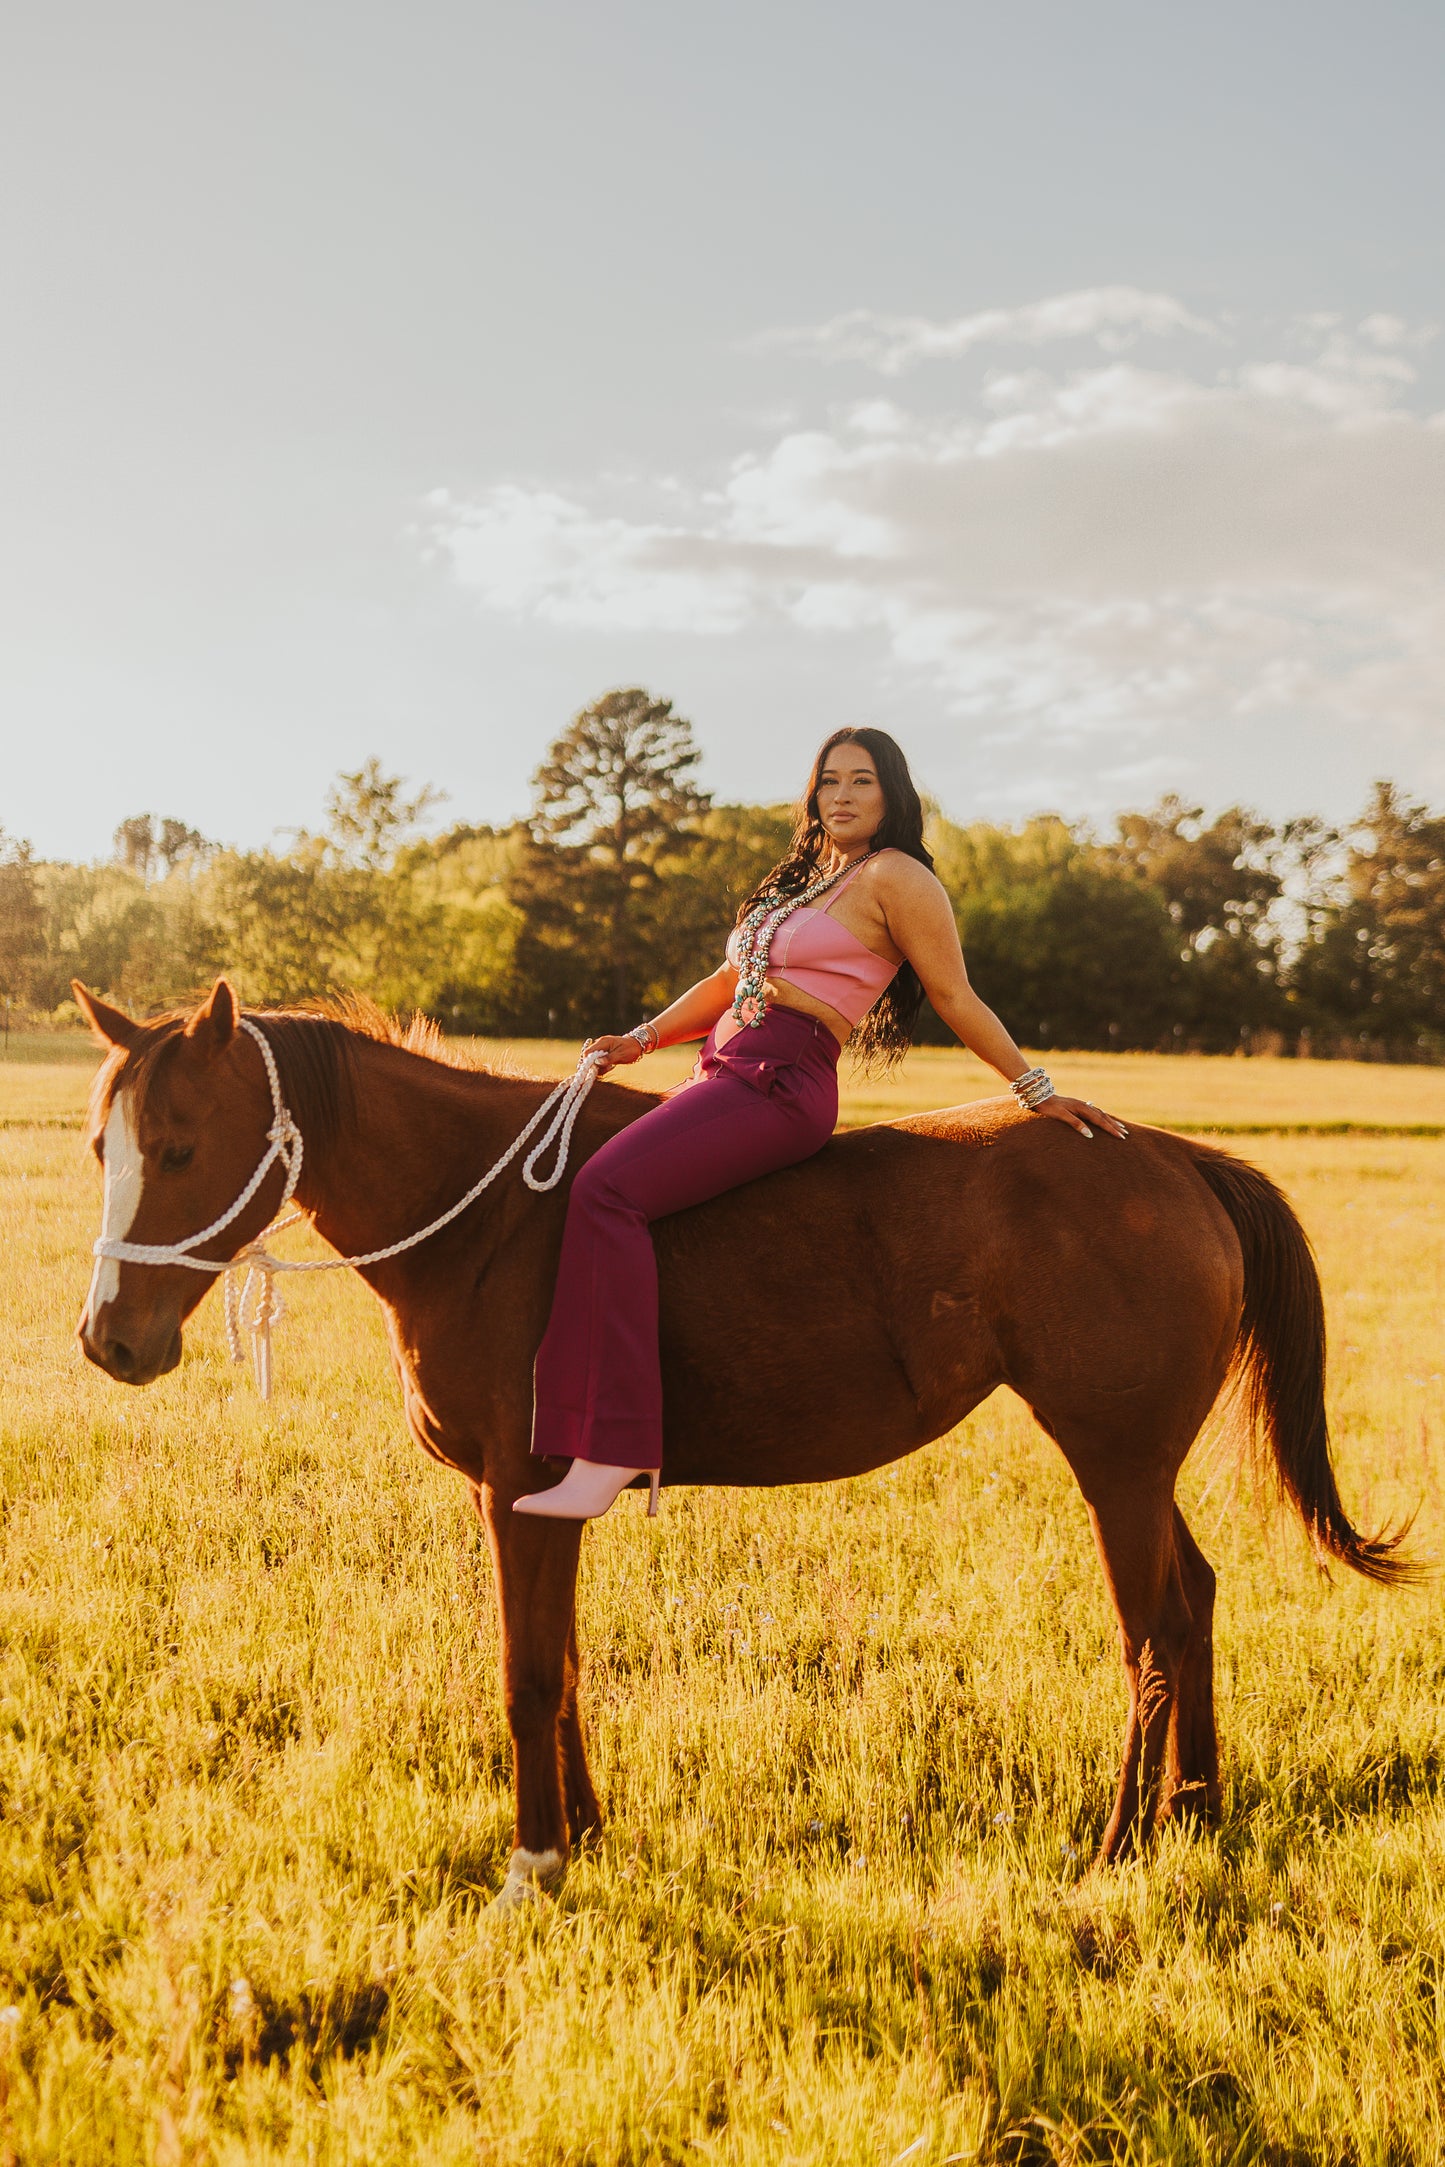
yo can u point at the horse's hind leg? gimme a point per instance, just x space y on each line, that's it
1191 1777
1133 1528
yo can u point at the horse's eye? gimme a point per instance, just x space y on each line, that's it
176 1158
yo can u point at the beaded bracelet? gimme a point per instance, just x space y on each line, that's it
1033 1089
646 1036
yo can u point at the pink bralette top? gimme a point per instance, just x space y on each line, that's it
817 955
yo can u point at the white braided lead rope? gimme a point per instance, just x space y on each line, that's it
252 1304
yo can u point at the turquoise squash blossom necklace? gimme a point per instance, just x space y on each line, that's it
755 938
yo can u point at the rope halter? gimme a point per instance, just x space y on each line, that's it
252 1303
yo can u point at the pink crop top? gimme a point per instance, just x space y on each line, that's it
817 955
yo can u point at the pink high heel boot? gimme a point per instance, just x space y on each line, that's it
586 1491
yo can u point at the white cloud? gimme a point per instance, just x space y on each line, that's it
531 552
1113 316
1114 553
1384 330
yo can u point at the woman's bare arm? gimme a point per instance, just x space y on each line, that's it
921 924
691 1015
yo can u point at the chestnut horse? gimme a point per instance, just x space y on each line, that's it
814 1324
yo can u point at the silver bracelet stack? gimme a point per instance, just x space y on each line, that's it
1032 1089
646 1036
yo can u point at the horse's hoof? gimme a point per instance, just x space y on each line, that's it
517 1893
531 1875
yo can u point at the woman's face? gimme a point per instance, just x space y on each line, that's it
851 804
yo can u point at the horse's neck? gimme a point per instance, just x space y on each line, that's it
420 1136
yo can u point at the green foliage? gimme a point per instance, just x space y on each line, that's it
276 919
1376 964
1221 884
369 816
432 930
144 945
1176 931
472 982
150 847
1219 879
678 907
1056 938
618 782
615 811
729 848
22 921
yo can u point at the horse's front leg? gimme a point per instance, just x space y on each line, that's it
536 1569
584 1809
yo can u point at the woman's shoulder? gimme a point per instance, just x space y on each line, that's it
897 873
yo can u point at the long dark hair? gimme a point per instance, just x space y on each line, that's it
886 1032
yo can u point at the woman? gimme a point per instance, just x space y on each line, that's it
842 939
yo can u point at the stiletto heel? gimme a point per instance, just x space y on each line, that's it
587 1490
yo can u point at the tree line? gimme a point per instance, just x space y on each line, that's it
1175 930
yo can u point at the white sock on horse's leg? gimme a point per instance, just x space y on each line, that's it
529 1875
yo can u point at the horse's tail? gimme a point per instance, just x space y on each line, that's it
1279 1361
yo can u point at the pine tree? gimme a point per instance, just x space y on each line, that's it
614 796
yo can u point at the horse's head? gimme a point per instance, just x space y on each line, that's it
178 1120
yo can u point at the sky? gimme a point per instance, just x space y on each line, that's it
1060 387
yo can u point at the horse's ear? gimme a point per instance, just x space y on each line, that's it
214 1023
111 1025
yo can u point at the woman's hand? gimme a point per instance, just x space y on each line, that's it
619 1051
1083 1115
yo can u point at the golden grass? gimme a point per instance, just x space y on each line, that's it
1194 1091
856 1744
1190 1091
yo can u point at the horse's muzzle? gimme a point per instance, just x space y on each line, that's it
132 1356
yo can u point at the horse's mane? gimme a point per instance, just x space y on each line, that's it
316 1048
364 1018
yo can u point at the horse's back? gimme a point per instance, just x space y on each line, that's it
1036 1198
1107 1271
790 1309
883 1287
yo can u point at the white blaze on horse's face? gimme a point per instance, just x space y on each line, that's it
124 1180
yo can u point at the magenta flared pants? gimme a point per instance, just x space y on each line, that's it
765 1099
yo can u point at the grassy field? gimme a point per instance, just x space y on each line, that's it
46 1079
856 1746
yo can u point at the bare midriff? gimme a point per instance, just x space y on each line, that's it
869 928
785 996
